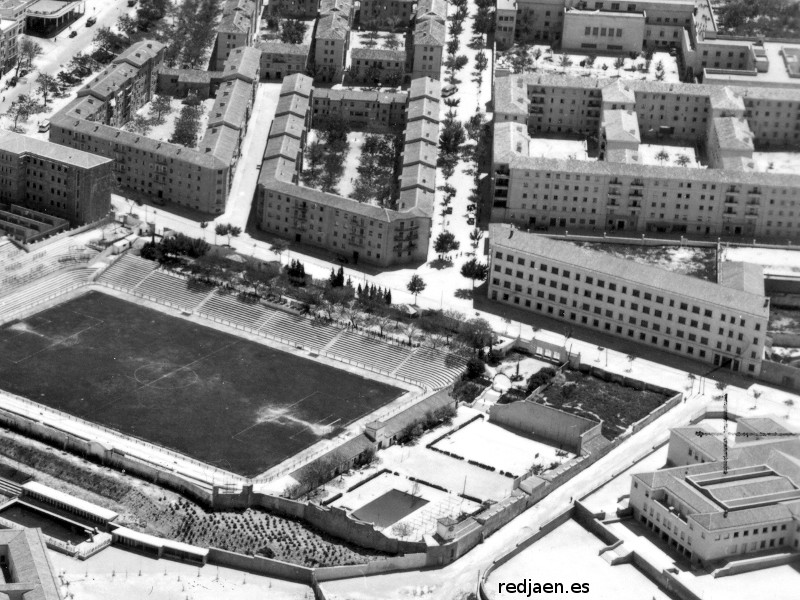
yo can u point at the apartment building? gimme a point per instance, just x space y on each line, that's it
710 512
621 191
61 182
236 29
368 65
386 13
364 110
9 30
331 42
279 60
720 325
197 178
428 41
361 232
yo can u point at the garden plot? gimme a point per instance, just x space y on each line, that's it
163 131
403 507
506 451
382 40
696 262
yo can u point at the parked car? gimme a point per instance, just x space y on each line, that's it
471 207
448 90
448 210
470 221
90 21
73 33
44 126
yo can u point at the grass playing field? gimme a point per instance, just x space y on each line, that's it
221 399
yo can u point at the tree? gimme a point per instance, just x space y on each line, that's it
232 231
159 106
476 333
296 272
481 62
682 160
23 108
445 243
391 43
139 124
619 63
280 246
564 61
475 368
27 50
219 229
187 127
126 25
410 330
474 270
475 237
662 156
416 286
46 84
107 39
293 31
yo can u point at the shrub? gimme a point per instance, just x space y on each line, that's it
540 378
466 391
475 368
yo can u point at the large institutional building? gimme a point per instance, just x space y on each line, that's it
710 512
725 325
358 231
621 189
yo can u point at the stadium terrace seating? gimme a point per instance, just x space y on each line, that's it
128 271
227 307
14 305
436 368
174 290
363 349
300 331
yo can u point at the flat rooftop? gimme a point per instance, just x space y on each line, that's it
783 71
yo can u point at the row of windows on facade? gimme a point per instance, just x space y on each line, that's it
611 286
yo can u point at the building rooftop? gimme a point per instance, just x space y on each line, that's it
639 274
343 7
33 577
429 32
297 83
231 104
423 108
281 48
23 144
733 133
287 124
431 9
425 86
236 16
618 92
243 63
69 501
332 27
748 277
140 52
383 97
378 54
621 126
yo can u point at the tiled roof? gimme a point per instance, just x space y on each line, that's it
221 141
236 16
425 87
23 144
423 108
231 104
332 27
431 9
281 48
285 146
297 83
378 54
287 124
418 175
422 129
343 7
294 104
429 32
724 98
733 133
28 554
419 152
139 53
618 92
656 278
243 63
360 96
621 125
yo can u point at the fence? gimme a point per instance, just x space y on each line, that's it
38 302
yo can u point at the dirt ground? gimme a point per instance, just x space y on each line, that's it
149 508
696 262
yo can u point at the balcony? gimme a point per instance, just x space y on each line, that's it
501 182
614 192
729 200
637 183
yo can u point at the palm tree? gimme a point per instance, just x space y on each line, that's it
682 160
219 229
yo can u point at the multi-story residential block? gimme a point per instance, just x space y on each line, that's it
196 178
428 43
435 10
359 231
711 509
332 40
279 60
386 13
364 110
236 29
9 30
721 325
48 178
369 65
620 191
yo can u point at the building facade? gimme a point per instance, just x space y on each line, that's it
711 513
716 324
61 182
279 60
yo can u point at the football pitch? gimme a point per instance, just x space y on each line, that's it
221 399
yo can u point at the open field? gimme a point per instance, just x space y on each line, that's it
570 555
226 401
618 406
